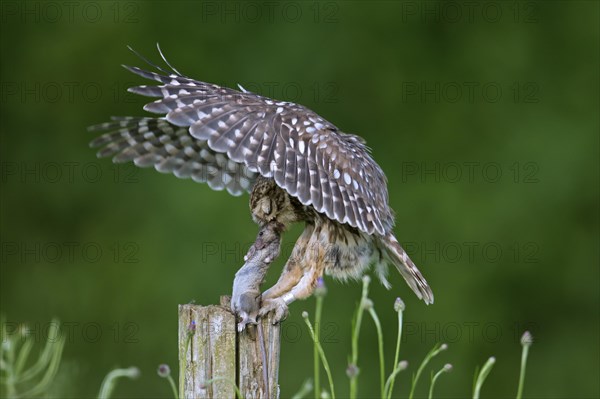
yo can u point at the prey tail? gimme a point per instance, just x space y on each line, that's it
398 256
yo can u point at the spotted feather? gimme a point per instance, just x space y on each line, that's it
170 149
306 155
233 139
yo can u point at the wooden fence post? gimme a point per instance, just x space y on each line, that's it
214 358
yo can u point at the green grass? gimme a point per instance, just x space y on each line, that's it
110 381
23 375
386 385
20 375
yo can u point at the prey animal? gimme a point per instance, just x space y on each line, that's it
297 167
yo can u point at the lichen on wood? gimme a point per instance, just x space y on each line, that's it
214 357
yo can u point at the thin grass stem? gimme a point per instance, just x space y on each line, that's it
317 370
389 383
485 370
304 390
321 354
356 324
109 383
447 368
44 359
380 347
42 385
173 387
399 308
23 355
526 341
432 353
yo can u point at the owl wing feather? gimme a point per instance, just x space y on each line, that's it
170 149
305 154
226 138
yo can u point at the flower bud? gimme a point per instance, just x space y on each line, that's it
352 370
526 339
399 305
133 372
164 370
367 304
320 290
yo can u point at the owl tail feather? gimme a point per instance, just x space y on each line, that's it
398 256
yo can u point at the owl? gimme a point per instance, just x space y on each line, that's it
296 166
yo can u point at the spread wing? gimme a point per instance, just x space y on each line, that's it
170 149
213 134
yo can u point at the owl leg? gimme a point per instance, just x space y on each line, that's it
303 289
275 298
291 275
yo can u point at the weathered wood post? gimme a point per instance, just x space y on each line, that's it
214 357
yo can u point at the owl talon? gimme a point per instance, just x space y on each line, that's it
277 306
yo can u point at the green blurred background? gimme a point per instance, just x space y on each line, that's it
484 117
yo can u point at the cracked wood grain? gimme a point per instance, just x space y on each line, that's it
211 348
